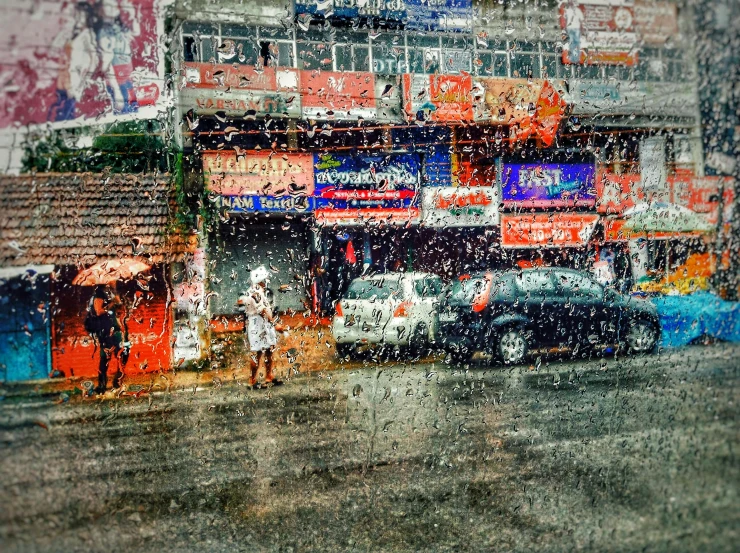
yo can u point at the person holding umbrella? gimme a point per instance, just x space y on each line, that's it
261 331
105 319
106 306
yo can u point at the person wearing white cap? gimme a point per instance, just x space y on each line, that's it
260 325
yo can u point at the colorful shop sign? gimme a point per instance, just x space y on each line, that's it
702 195
599 32
420 15
80 61
547 230
355 188
438 97
460 206
548 185
260 181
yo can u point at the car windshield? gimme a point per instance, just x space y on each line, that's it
380 289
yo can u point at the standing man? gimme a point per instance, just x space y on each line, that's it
260 326
107 327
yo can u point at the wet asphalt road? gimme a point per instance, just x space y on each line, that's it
609 455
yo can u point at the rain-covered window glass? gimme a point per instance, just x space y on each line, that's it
369 275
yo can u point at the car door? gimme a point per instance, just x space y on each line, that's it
537 301
428 290
581 299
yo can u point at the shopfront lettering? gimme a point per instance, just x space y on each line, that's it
393 176
462 200
265 104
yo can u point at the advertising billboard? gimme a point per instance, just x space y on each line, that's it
239 90
548 185
420 15
344 94
460 206
81 60
547 230
599 32
355 188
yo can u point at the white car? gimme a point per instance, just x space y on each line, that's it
398 309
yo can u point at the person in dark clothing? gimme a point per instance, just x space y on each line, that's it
106 307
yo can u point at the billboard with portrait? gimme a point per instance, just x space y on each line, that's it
80 60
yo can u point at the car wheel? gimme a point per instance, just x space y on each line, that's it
512 346
345 351
641 337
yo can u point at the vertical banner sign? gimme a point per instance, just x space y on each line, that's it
356 188
599 31
80 60
260 182
548 185
418 15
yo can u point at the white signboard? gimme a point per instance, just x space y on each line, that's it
473 206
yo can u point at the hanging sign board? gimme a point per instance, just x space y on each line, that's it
548 185
547 230
460 206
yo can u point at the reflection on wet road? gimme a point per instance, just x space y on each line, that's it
420 457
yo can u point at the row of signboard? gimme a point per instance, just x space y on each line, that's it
533 106
390 188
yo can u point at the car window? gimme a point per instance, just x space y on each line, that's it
380 289
428 287
535 282
571 283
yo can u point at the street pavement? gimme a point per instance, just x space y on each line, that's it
612 454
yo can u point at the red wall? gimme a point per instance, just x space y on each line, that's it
149 324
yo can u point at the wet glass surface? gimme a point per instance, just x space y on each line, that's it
369 275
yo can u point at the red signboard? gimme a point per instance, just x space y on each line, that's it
258 174
547 230
345 93
701 194
617 193
442 97
398 216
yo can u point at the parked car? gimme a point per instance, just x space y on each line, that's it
508 314
398 309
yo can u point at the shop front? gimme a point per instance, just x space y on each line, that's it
367 212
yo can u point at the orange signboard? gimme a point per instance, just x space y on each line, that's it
259 174
547 230
345 93
617 193
443 97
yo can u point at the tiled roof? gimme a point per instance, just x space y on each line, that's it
78 219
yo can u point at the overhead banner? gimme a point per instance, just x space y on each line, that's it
548 185
353 189
617 193
240 90
260 182
547 230
599 32
704 195
86 61
420 15
460 206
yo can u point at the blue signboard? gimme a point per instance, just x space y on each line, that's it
269 204
548 185
366 183
425 15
